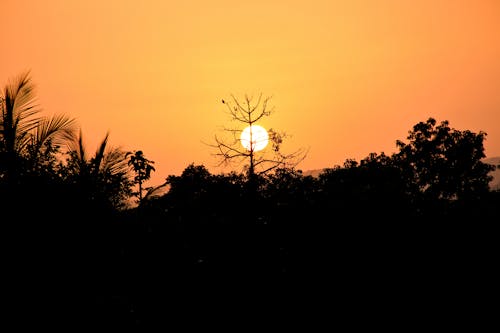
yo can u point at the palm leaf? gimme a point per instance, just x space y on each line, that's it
59 128
76 146
99 154
115 162
17 118
20 101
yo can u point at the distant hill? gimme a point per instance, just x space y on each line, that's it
494 184
314 173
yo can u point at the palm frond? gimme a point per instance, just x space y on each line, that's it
18 111
99 154
115 162
59 128
77 147
20 102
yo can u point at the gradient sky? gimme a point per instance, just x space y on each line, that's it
347 77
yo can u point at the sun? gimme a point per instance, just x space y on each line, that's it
256 135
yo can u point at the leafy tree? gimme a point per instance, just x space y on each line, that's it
289 188
440 162
357 190
197 192
142 168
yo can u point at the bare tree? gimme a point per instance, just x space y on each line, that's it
229 148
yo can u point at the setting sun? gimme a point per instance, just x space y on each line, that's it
254 138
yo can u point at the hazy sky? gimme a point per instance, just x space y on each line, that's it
347 77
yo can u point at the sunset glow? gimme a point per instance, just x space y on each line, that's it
347 77
254 138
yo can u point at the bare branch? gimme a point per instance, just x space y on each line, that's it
249 111
244 112
252 110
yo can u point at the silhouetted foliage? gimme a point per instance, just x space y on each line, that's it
410 225
444 170
440 162
28 141
142 168
101 179
374 184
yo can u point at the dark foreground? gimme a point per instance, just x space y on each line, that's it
140 270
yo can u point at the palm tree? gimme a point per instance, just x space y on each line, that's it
24 133
102 177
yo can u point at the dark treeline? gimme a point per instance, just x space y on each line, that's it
395 230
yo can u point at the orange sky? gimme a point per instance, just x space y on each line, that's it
347 77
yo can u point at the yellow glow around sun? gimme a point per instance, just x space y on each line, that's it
254 138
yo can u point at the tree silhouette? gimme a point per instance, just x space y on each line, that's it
103 178
25 135
440 162
142 168
229 149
